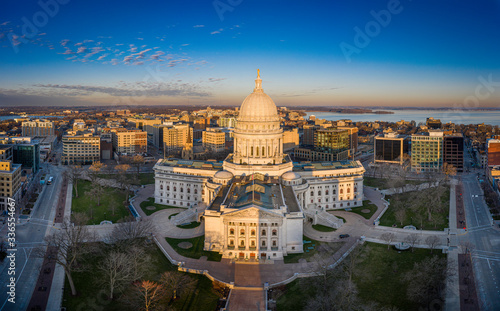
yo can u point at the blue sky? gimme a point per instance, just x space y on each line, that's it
426 53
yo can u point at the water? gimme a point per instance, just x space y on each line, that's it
457 117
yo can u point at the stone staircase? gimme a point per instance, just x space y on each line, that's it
321 217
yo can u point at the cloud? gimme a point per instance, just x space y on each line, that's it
198 26
217 31
103 37
5 23
67 52
102 57
149 89
156 56
64 42
140 39
185 44
215 79
81 49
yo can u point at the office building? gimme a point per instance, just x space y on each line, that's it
176 137
493 150
427 152
10 183
81 149
38 128
391 148
453 150
129 141
214 139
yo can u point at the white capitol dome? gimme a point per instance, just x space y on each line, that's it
258 106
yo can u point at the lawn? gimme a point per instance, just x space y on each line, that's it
366 205
384 183
102 212
311 248
151 202
196 251
378 278
322 228
191 225
91 294
144 178
389 218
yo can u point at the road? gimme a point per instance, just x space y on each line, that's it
484 237
30 235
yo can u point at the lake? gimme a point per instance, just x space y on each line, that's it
458 117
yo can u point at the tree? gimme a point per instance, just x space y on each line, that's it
116 271
388 237
449 170
137 161
128 230
121 176
426 280
177 283
94 171
147 295
139 260
73 174
400 215
432 241
69 244
412 240
96 193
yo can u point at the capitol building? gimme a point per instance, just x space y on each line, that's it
254 204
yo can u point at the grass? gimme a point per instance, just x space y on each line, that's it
191 225
389 218
151 202
379 278
102 212
91 293
366 205
322 228
384 183
196 251
308 253
144 178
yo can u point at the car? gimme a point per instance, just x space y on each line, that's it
344 236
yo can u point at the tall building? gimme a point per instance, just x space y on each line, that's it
142 123
10 183
38 128
453 150
6 152
214 139
155 134
129 141
81 149
290 139
332 141
391 148
308 135
255 203
175 138
228 121
427 152
353 137
493 150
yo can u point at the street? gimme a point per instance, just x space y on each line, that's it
29 235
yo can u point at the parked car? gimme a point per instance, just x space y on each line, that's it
344 236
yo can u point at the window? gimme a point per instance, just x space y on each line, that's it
252 243
274 243
326 192
161 187
263 243
242 232
355 189
195 191
275 232
252 233
319 192
348 190
182 189
188 190
231 231
231 242
242 243
312 193
341 191
263 232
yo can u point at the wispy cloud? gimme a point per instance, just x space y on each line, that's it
198 26
217 31
216 79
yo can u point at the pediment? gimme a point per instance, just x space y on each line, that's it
252 212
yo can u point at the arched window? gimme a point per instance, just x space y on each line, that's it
257 151
168 188
263 243
274 243
312 193
334 191
231 231
161 187
275 232
242 232
251 151
231 242
348 190
326 192
263 151
252 243
182 189
188 190
341 191
195 191
242 243
252 233
355 189
319 192
175 188
263 232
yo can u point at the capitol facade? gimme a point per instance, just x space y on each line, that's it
254 204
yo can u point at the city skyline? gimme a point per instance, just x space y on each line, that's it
385 53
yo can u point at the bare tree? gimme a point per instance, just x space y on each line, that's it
449 170
400 215
388 237
412 239
137 161
73 174
95 193
116 271
94 171
147 295
129 229
139 260
432 241
70 243
466 247
177 283
121 176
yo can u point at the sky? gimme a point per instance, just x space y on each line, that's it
310 53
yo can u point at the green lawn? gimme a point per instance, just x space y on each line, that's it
84 202
366 205
144 178
389 218
310 249
191 225
322 228
196 251
151 202
384 183
90 291
378 278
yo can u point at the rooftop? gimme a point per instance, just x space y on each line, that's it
315 166
198 164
